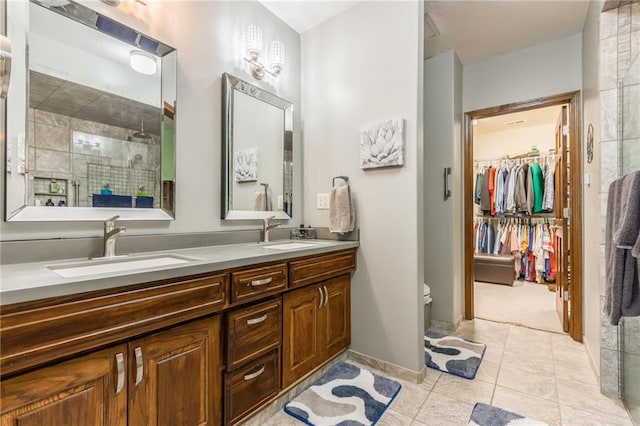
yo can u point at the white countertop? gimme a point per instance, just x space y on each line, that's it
24 282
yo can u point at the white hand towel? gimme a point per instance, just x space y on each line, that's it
260 200
341 211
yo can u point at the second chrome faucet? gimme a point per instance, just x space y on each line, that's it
266 227
110 235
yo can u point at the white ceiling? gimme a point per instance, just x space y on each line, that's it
302 15
480 29
475 29
536 117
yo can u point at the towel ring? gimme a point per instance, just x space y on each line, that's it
344 178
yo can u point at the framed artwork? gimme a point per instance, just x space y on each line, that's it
246 166
382 144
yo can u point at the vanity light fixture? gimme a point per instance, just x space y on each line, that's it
143 62
254 50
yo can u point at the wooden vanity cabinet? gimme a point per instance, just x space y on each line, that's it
82 391
317 326
175 376
172 377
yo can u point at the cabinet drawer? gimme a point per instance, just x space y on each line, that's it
252 332
257 282
34 336
251 386
319 268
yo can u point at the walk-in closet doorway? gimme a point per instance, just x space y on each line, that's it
500 229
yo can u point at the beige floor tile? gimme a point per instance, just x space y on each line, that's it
529 350
494 353
431 379
588 398
469 391
410 399
282 419
527 405
417 423
542 386
528 335
529 364
573 417
394 418
488 371
570 372
441 410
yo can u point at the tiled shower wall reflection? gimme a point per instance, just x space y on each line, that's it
52 153
619 45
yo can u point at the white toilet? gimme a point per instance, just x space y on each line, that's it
427 307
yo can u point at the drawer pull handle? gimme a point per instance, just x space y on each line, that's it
321 297
258 320
254 374
139 365
256 283
326 295
120 368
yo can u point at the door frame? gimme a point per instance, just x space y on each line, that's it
575 158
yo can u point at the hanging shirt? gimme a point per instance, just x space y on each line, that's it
499 203
510 204
549 188
485 199
530 194
492 190
478 188
520 194
538 187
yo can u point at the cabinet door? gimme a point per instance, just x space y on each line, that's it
301 350
86 390
336 315
175 376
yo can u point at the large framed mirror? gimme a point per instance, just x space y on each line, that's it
257 152
90 119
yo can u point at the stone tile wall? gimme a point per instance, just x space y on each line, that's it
619 46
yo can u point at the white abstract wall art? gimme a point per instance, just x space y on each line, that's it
246 165
382 144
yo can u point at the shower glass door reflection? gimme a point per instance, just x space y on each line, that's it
629 161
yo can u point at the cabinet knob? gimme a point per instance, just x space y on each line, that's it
254 374
120 368
256 283
258 320
139 365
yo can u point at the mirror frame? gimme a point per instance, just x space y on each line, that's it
28 213
230 84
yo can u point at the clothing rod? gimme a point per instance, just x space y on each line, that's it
517 157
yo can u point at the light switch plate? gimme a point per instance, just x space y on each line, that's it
323 202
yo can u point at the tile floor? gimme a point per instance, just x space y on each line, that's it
524 371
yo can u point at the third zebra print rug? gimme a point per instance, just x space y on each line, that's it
452 354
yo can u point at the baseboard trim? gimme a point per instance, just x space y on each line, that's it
595 367
389 368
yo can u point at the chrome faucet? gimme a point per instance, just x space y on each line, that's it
110 234
266 227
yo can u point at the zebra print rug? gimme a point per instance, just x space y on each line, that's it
345 395
452 354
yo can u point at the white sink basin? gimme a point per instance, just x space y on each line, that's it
117 264
292 245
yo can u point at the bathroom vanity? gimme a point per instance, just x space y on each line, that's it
209 342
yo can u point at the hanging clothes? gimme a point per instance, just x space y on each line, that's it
492 191
548 198
478 187
538 187
485 198
521 189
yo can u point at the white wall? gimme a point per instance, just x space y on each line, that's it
361 66
443 236
591 198
209 37
543 70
